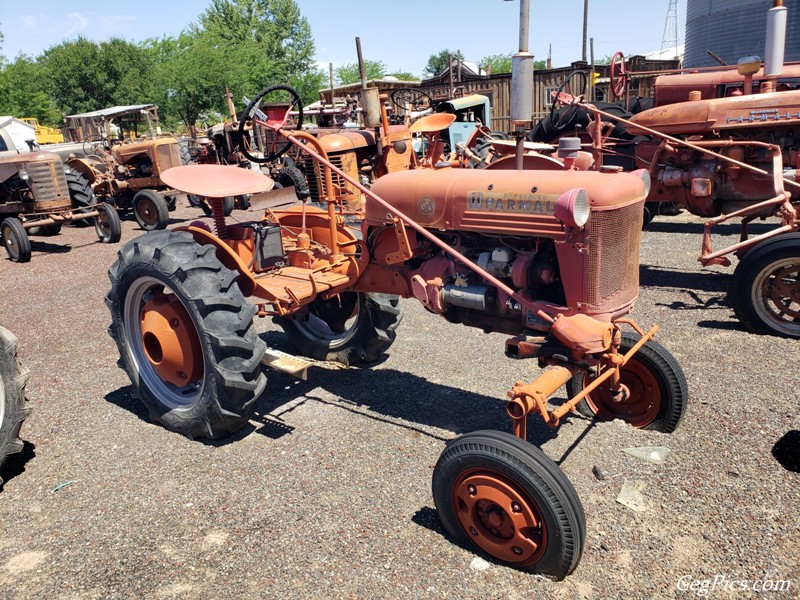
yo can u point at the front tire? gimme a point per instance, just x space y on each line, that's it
107 225
80 191
15 240
765 289
150 210
351 328
185 335
658 393
13 405
505 496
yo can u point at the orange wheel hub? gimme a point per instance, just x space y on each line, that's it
499 517
170 340
641 403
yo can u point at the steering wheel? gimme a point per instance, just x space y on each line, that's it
92 144
619 76
418 99
575 85
256 115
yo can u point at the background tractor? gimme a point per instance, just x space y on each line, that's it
548 258
13 404
35 194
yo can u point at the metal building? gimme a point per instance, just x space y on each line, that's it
732 29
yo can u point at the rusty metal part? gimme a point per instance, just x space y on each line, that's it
526 398
499 516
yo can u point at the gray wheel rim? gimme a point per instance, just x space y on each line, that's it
172 396
102 225
772 314
10 242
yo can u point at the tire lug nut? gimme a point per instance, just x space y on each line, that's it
471 489
174 323
473 531
516 507
517 550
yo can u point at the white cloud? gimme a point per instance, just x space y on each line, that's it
116 23
79 23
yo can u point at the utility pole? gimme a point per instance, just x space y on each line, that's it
586 26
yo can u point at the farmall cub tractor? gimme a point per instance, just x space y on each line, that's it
549 258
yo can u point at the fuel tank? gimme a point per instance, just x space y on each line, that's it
504 202
736 112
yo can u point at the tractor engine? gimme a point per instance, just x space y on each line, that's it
737 127
567 242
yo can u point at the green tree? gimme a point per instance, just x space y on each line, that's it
502 63
272 36
350 73
440 62
25 95
75 76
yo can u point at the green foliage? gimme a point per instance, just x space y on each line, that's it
606 60
350 73
25 97
440 62
502 63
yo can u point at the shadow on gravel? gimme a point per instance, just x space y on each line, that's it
15 463
662 225
124 398
787 451
49 248
722 325
705 281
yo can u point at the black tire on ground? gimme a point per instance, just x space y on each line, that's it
242 202
228 204
658 390
649 211
15 240
172 202
150 210
290 176
351 328
13 404
164 288
107 225
186 156
506 497
765 288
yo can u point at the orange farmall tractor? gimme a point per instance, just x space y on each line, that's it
548 257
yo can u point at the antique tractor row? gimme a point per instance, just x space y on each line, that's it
720 158
548 257
35 195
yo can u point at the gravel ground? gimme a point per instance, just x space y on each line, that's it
327 492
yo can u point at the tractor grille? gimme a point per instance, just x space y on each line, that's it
168 156
614 239
48 182
316 179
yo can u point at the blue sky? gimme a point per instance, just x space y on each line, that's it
403 38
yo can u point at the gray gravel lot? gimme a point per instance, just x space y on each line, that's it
327 492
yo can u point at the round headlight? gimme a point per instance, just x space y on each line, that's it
573 208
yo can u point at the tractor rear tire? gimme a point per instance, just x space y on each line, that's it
765 289
291 176
185 335
15 240
150 210
510 500
656 383
80 191
351 328
13 405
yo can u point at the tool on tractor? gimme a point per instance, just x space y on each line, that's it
548 257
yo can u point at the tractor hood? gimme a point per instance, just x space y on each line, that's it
702 116
504 202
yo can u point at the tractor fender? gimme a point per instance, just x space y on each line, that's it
84 167
227 256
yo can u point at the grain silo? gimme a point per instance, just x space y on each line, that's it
732 29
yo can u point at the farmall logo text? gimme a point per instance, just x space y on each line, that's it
529 204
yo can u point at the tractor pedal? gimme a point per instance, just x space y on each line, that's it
286 363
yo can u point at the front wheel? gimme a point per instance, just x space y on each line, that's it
505 496
185 335
654 386
765 289
351 328
228 204
150 210
13 405
15 240
107 224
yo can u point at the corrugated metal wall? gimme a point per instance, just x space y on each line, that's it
733 29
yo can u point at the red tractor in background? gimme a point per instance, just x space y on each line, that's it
548 257
721 158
